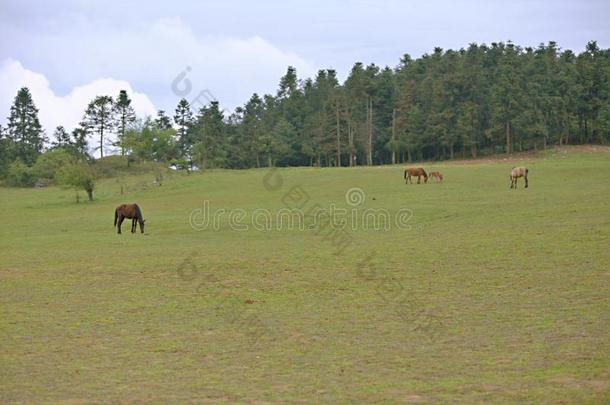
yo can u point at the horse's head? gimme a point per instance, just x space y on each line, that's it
142 225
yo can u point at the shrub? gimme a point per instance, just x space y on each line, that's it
20 175
48 164
116 166
78 176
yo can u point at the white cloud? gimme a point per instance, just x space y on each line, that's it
64 110
151 54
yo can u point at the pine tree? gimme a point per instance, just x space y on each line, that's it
24 128
184 120
7 151
162 121
288 83
253 127
62 138
507 93
99 120
79 141
124 116
209 136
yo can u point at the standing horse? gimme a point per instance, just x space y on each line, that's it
417 171
517 172
129 211
436 175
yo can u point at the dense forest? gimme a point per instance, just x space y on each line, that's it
477 100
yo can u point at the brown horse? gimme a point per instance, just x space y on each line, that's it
436 175
417 171
129 211
517 172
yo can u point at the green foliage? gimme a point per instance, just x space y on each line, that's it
488 99
481 99
78 176
99 119
62 138
181 164
49 163
183 118
20 175
208 133
117 166
124 117
162 121
24 129
148 142
78 144
7 153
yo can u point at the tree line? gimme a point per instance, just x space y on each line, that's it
481 99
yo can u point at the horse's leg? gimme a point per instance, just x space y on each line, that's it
121 218
525 180
418 179
133 225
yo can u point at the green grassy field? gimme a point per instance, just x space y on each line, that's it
487 295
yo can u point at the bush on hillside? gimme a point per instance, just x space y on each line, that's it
20 175
78 176
48 164
115 166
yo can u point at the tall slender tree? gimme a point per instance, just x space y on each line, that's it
124 116
99 120
184 120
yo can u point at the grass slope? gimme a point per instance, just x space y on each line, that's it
492 294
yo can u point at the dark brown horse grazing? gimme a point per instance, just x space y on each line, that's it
417 171
436 175
517 172
129 211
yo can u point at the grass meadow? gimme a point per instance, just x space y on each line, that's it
483 294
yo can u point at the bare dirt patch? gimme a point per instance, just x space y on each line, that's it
532 155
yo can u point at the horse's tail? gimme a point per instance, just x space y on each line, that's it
116 216
405 174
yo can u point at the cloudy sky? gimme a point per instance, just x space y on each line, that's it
69 51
